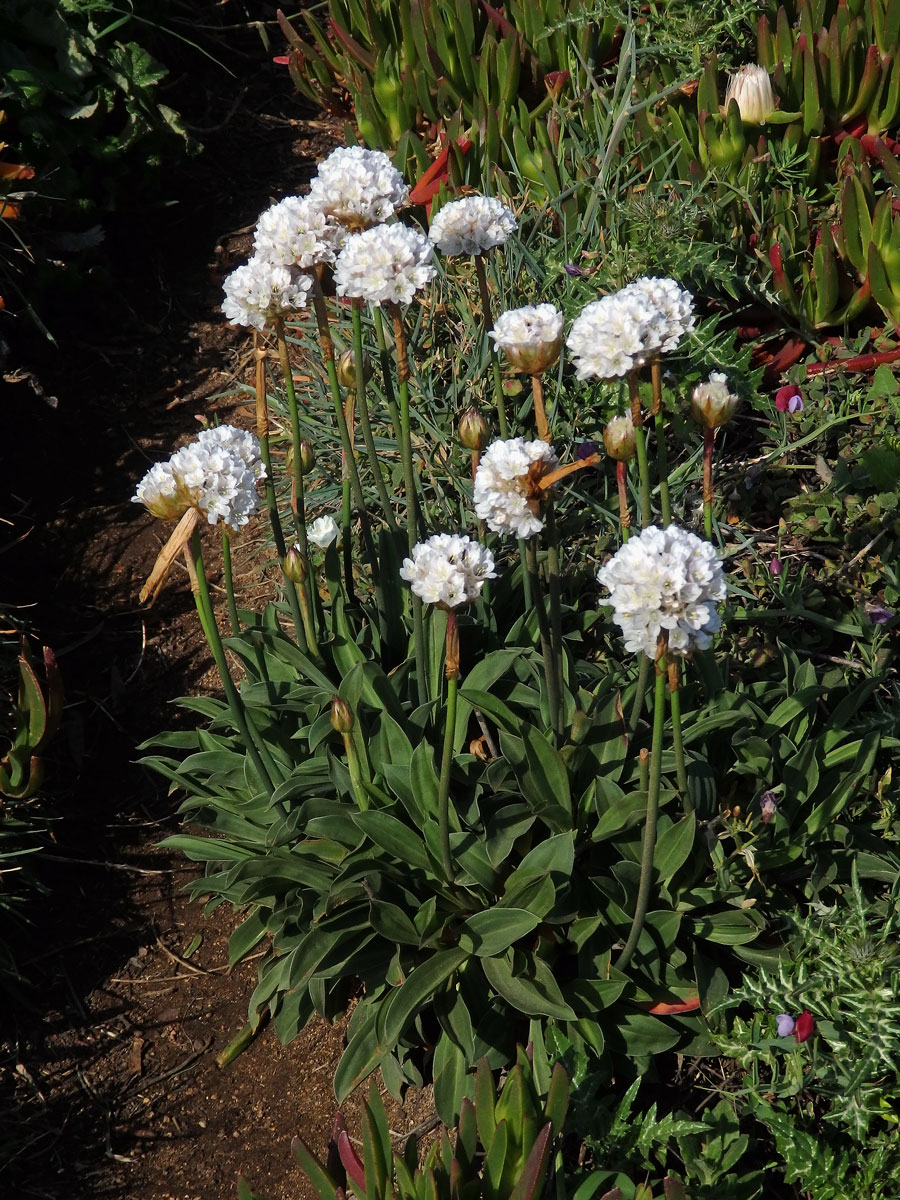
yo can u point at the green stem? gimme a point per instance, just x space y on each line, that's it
648 846
637 706
673 668
384 358
262 432
531 568
556 641
259 754
640 443
363 410
297 498
412 508
662 456
229 584
708 494
488 320
452 672
327 347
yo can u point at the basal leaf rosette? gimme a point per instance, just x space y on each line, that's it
665 580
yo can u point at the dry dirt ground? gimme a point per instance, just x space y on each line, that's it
108 1083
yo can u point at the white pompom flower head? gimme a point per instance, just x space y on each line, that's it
530 337
448 570
295 232
472 225
262 292
387 264
507 492
358 187
665 580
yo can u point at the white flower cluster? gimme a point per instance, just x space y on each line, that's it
295 232
216 474
665 579
472 225
261 291
505 491
384 265
448 569
358 187
531 337
618 333
323 531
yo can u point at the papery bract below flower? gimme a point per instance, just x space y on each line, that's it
323 532
618 438
358 187
785 1024
472 225
448 569
384 265
665 579
506 492
530 337
159 493
261 292
751 89
789 399
295 232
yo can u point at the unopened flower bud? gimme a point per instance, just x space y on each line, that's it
618 438
473 430
530 337
712 404
295 566
776 566
346 369
307 458
769 807
751 89
341 716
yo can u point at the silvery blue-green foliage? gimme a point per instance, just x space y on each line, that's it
841 962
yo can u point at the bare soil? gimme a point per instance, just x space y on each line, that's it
108 1083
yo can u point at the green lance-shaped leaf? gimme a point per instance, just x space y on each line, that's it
856 224
867 86
880 284
708 88
415 993
491 932
825 275
531 1179
377 1155
557 1103
529 986
882 112
325 1186
812 105
485 1103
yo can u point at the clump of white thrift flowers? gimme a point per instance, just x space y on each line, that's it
472 225
358 187
323 531
506 494
665 579
448 569
384 265
262 291
216 474
530 337
619 333
295 232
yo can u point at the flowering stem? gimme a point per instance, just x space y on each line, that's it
229 584
451 669
673 669
637 706
309 624
488 319
327 346
544 631
662 457
364 421
259 755
346 507
412 517
640 443
556 642
709 437
648 845
540 413
297 498
262 432
385 360
624 510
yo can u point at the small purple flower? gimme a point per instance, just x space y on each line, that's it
785 1024
586 449
571 269
776 566
769 806
879 614
789 399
